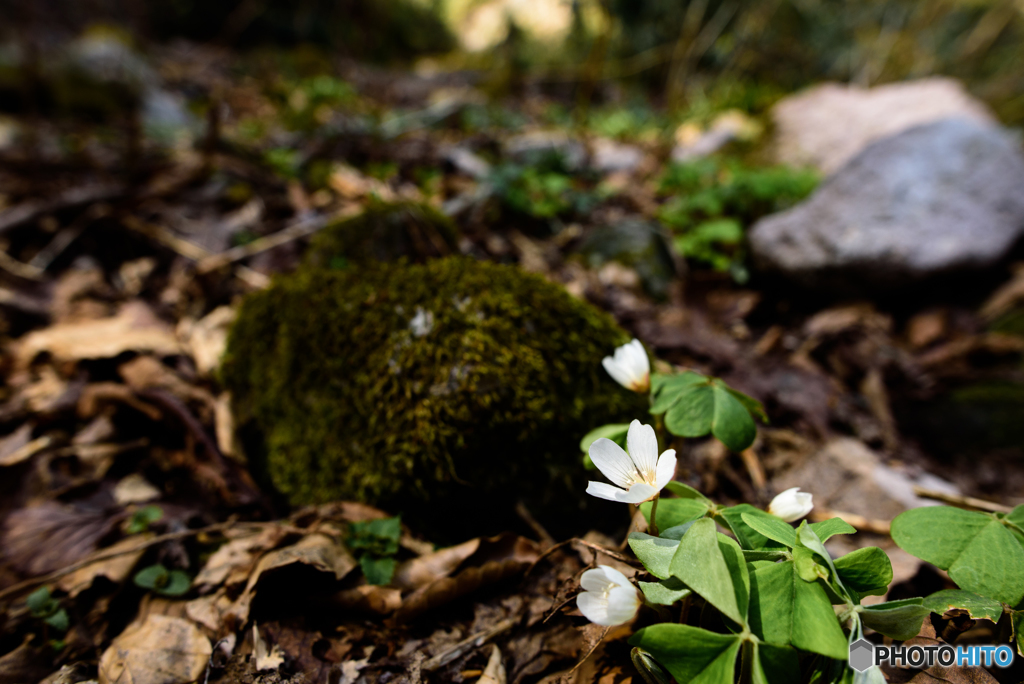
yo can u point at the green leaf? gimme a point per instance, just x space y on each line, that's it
1016 518
700 564
806 537
867 571
649 668
826 529
666 389
684 491
900 620
732 424
613 431
746 535
691 654
978 607
163 581
664 593
143 518
771 527
654 552
769 555
737 564
152 576
773 664
40 603
752 405
59 620
979 552
377 570
178 583
672 512
1017 620
377 537
785 610
692 413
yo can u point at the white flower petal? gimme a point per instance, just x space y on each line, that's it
603 578
617 371
613 462
638 493
643 449
666 469
603 490
791 505
594 607
639 363
623 603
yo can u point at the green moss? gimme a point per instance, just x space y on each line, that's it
426 388
386 232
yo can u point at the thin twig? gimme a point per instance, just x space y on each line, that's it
469 643
962 501
23 213
590 652
145 544
859 521
590 545
190 250
295 231
19 268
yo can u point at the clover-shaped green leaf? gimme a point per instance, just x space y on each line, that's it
159 579
978 550
695 405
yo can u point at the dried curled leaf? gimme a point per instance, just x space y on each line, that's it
160 650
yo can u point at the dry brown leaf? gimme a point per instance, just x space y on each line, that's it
207 337
224 426
159 650
233 561
494 672
417 572
316 550
448 589
97 395
9 457
24 664
146 372
115 569
266 658
369 598
134 328
49 536
135 488
211 611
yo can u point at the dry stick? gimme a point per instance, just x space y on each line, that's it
600 549
67 570
22 213
293 232
962 501
590 652
468 644
859 521
19 268
190 250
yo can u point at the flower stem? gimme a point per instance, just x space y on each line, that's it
652 527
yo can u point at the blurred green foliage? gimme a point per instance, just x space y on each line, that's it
712 201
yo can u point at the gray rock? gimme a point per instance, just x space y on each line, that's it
846 476
936 198
829 124
610 156
537 146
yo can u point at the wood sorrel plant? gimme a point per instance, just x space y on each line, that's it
743 595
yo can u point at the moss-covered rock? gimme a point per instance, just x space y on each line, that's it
386 232
428 389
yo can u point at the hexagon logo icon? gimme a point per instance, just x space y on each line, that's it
862 655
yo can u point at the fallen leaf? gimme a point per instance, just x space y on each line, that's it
369 598
494 672
16 448
266 659
49 536
212 611
134 328
24 664
146 372
159 650
135 488
207 337
419 571
115 569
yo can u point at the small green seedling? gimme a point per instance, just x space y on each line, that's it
165 582
377 540
43 606
143 518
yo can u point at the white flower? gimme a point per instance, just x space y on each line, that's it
607 598
790 505
640 475
630 366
